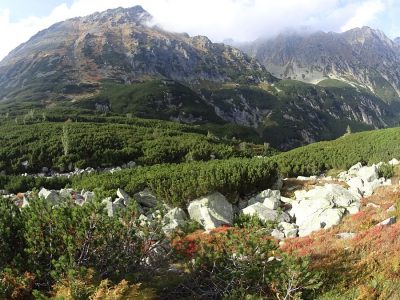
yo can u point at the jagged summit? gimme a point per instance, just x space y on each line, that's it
362 57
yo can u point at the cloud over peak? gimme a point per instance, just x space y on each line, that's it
240 20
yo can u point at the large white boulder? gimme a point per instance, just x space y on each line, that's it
368 174
354 169
274 197
211 211
333 194
324 220
322 207
265 214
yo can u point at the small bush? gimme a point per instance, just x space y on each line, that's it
243 264
386 171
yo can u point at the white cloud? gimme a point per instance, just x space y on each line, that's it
241 20
364 14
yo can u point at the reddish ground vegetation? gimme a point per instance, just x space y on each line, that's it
369 263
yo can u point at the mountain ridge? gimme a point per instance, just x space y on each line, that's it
118 62
363 57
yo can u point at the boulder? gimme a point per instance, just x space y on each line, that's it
368 174
66 193
324 220
279 235
211 211
123 195
370 186
288 229
272 203
274 195
389 221
354 169
109 207
286 200
174 219
353 208
335 194
175 215
394 162
88 196
49 195
146 198
356 183
265 214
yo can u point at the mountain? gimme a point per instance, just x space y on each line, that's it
362 57
118 62
117 45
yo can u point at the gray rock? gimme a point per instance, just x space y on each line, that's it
211 211
272 203
123 195
371 186
354 169
265 214
389 221
279 235
274 195
287 200
131 164
394 162
175 214
346 235
242 204
109 207
49 195
288 229
391 209
278 184
353 208
66 193
370 204
326 219
88 196
356 183
146 198
368 174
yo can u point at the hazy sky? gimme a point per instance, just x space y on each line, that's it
241 20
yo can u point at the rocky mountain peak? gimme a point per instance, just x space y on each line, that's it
136 14
365 33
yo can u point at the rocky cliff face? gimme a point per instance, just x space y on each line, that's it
362 57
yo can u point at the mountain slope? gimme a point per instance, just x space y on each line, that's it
362 57
117 63
117 45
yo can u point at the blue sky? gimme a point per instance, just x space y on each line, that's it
241 20
20 9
